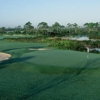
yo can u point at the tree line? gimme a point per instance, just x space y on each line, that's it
55 30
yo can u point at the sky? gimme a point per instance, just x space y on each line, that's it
19 12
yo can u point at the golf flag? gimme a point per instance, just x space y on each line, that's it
87 52
87 49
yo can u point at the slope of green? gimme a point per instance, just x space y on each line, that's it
60 58
49 74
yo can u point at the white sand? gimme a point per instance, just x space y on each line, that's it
4 56
38 49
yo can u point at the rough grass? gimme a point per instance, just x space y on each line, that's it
48 75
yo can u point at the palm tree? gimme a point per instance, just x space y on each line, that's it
69 26
86 26
75 27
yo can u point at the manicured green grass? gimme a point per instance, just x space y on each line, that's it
48 75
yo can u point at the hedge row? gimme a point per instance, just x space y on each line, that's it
57 42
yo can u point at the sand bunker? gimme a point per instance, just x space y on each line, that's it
37 49
4 56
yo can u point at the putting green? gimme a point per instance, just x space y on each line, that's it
62 58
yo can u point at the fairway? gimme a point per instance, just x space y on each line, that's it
50 74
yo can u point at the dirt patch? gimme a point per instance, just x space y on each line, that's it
4 56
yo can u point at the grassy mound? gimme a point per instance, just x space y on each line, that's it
59 58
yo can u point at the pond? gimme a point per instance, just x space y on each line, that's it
79 38
94 49
82 38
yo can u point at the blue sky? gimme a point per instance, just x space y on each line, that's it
18 12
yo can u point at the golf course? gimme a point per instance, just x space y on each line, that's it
34 71
49 50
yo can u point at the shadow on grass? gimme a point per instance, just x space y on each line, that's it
36 89
4 64
67 77
11 49
22 48
89 65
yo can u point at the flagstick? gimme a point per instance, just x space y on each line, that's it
87 53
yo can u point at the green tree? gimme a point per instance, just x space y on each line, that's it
69 26
63 30
75 27
89 26
29 28
18 29
96 26
43 27
2 30
56 27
